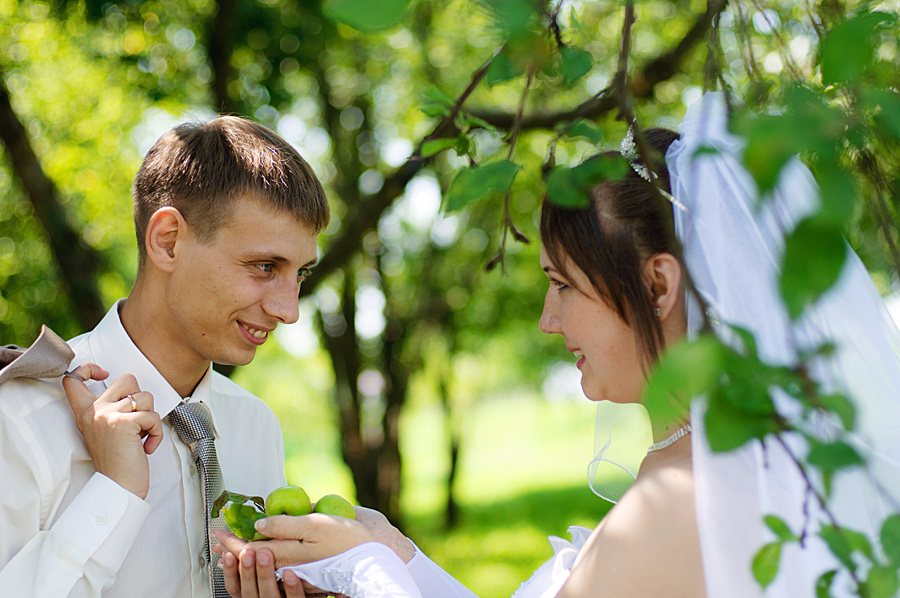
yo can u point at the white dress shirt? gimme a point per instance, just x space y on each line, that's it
66 530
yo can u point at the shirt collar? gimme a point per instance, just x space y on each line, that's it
114 350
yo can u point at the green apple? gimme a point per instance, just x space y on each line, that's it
332 504
288 500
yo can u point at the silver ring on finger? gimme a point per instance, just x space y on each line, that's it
133 403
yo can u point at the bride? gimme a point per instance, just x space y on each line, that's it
692 520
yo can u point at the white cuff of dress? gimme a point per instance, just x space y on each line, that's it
550 577
370 570
101 523
433 581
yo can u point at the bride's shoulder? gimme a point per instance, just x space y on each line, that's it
648 542
661 499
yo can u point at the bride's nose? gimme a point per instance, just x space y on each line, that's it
549 322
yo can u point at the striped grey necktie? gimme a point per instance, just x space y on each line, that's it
193 422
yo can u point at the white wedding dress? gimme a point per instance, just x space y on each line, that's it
373 570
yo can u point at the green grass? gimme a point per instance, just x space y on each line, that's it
521 472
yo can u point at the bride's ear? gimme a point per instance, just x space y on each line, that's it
663 273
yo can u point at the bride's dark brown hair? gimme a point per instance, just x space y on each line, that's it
626 222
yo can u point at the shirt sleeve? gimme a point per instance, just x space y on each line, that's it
433 581
81 552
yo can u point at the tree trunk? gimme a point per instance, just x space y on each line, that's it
451 508
79 264
219 51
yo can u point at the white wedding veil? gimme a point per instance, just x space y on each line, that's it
732 247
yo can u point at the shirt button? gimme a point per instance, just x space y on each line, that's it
202 560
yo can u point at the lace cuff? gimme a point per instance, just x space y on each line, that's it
370 570
549 578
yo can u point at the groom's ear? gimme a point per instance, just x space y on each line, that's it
663 274
165 229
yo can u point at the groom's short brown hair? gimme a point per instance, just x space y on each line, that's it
201 168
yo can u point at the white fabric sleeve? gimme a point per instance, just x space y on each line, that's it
549 578
80 554
433 581
370 570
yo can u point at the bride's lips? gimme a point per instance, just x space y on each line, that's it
579 354
255 336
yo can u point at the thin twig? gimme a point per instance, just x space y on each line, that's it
554 25
749 60
508 225
815 492
620 81
812 19
782 45
868 165
450 119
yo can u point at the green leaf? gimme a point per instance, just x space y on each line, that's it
814 256
770 145
887 103
587 129
435 109
765 563
233 497
365 15
890 538
685 370
823 584
881 583
570 187
464 145
575 64
502 69
474 121
477 182
705 150
844 542
511 16
830 457
780 528
842 407
838 545
433 93
848 49
435 146
837 190
728 427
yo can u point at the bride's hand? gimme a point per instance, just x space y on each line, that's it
386 533
320 536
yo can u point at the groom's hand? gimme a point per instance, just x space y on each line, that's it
250 573
115 426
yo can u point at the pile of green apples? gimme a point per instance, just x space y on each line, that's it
287 500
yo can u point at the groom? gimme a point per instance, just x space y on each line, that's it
111 501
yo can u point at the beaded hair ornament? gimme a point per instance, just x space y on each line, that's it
628 149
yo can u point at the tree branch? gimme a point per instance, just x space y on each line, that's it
643 81
78 262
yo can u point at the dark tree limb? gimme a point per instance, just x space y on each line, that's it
79 264
220 49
